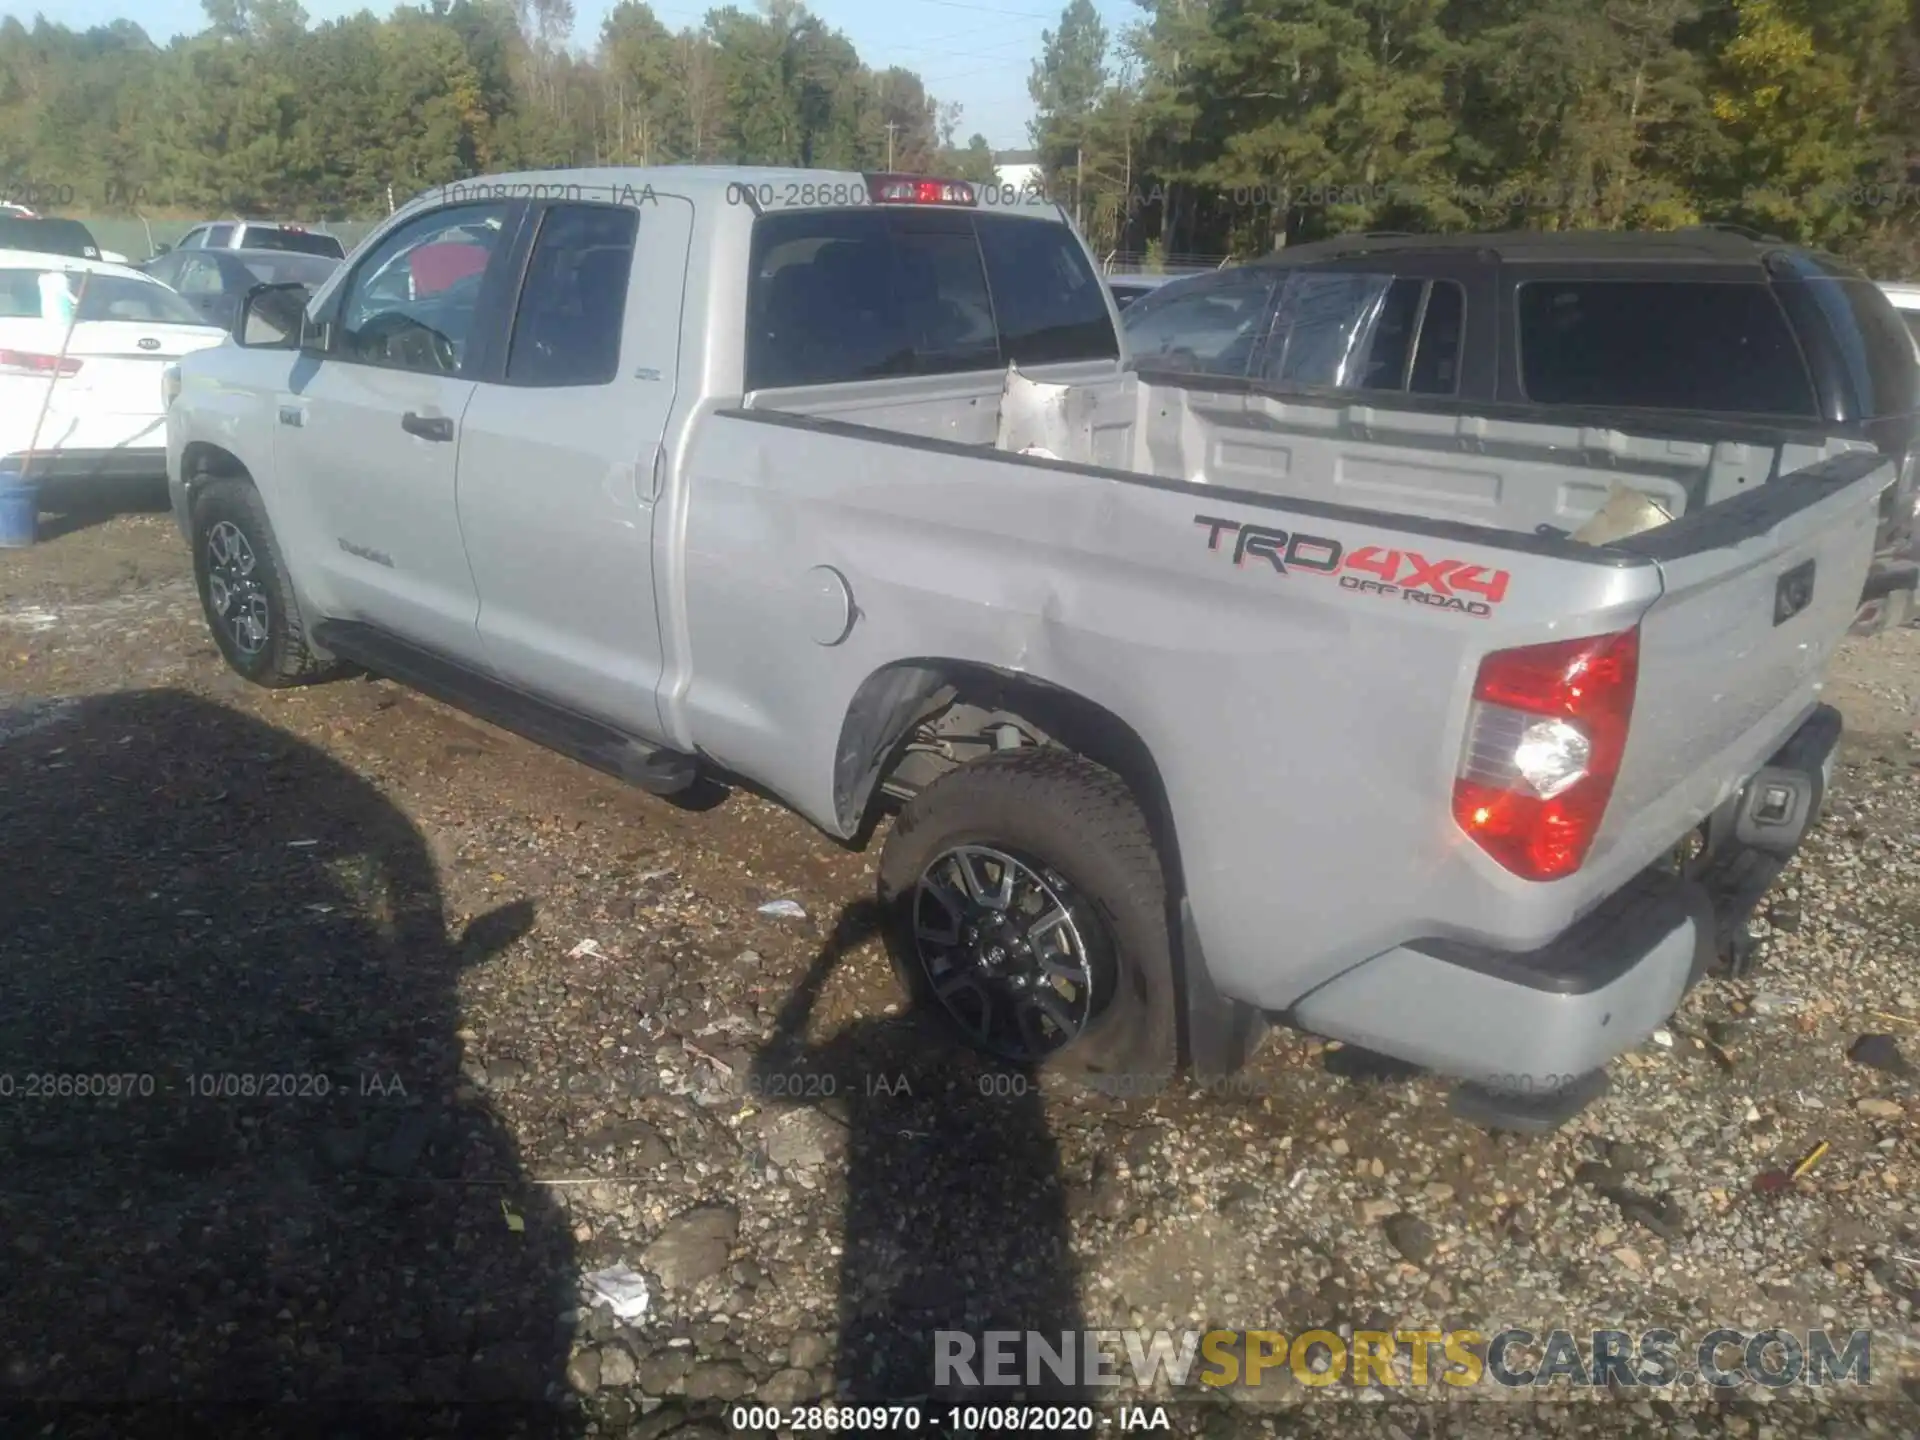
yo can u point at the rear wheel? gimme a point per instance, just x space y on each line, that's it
245 591
1028 913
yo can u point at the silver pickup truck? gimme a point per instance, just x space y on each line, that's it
1199 703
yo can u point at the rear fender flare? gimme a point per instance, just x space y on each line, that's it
1217 1035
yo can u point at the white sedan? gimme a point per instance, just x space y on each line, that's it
98 407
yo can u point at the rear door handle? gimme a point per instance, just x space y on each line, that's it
427 427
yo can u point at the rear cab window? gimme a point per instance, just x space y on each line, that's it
846 295
1697 345
298 242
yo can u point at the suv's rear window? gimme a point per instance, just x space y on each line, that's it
300 242
840 295
1873 345
48 237
1660 345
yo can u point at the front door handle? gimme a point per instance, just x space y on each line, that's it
427 427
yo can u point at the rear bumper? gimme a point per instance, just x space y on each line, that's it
1887 599
1538 1022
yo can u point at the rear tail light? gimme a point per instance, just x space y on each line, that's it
45 367
912 190
1544 741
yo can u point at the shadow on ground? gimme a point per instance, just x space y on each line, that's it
955 1213
69 506
238 1172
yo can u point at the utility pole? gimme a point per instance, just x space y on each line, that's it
1079 187
891 127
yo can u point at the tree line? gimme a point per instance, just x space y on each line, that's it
1210 127
1230 126
265 113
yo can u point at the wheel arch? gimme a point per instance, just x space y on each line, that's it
1216 1035
202 462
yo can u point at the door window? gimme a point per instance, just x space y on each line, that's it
411 303
1345 330
1209 329
199 275
566 329
218 237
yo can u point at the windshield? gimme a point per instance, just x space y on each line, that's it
36 295
299 242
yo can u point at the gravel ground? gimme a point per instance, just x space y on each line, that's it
406 1025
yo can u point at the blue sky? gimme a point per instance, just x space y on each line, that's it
976 52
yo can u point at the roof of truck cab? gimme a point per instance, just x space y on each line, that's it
629 182
1697 245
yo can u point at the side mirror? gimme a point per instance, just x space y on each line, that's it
160 250
272 317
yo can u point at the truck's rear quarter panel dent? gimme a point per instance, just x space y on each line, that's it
1292 719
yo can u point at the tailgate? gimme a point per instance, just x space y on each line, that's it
1757 592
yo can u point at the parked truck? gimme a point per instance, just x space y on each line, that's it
1192 703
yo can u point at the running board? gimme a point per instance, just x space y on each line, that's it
655 770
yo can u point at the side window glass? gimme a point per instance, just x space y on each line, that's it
1320 326
1436 360
218 237
566 330
411 303
1661 345
1384 366
1211 330
199 277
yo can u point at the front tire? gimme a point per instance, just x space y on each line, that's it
245 591
1027 911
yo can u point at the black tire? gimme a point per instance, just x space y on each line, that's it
1083 826
282 656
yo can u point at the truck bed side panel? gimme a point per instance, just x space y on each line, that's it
1306 728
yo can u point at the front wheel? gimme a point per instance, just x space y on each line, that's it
1028 913
245 591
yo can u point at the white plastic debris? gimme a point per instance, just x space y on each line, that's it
1663 1038
786 909
621 1289
586 948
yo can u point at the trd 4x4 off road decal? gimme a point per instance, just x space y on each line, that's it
1441 584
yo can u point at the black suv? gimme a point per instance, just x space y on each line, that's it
48 237
1656 330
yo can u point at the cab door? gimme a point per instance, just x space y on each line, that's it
561 452
368 431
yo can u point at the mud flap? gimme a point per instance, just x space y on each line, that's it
1218 1036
